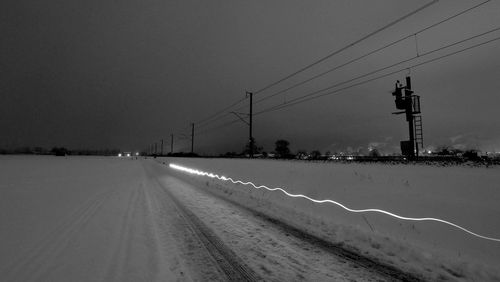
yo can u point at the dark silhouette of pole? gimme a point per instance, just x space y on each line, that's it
251 141
161 148
171 143
155 148
192 138
409 116
410 104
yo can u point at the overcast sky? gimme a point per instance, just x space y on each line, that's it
125 74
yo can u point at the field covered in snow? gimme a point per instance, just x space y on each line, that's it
467 196
122 219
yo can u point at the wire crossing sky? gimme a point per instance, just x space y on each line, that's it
318 93
319 61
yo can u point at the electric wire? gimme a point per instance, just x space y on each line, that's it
346 47
215 119
212 118
307 97
223 110
219 126
370 53
218 116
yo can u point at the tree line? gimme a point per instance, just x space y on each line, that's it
59 151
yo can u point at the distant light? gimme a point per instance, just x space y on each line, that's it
128 154
120 154
137 154
429 152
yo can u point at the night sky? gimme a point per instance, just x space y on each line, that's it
125 74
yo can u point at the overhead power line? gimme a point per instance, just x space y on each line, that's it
222 115
346 47
223 110
396 64
371 52
218 116
308 97
219 126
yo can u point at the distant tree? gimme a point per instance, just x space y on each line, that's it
301 154
281 149
315 155
443 151
471 155
229 155
60 151
256 149
23 150
374 153
38 150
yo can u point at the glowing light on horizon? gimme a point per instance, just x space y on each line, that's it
224 178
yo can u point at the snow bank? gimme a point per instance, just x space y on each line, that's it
466 196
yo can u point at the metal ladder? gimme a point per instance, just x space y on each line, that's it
419 136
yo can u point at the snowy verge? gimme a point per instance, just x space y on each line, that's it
463 195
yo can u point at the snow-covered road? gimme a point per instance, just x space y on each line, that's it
136 221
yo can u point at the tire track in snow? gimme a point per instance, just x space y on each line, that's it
122 249
182 250
137 253
387 271
162 243
230 265
35 263
229 262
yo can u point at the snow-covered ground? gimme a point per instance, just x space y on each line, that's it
122 219
78 219
467 196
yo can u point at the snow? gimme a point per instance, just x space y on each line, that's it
79 219
467 196
109 219
266 248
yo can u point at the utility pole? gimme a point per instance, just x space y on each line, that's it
155 148
409 118
161 147
192 138
410 104
251 141
171 143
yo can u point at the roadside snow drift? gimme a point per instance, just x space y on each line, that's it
466 196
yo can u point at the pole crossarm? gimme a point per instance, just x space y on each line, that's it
241 118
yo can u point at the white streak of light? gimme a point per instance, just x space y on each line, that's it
223 178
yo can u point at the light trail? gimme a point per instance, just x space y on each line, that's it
224 178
